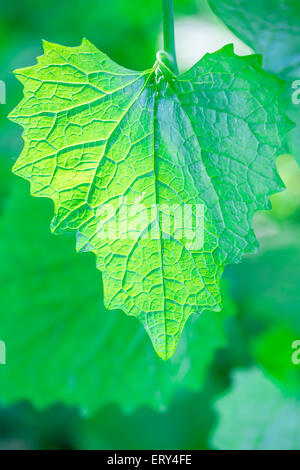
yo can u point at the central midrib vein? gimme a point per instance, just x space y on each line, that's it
155 120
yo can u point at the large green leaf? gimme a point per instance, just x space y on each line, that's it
62 344
266 288
255 415
271 28
96 134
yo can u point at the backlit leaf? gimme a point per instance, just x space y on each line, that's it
143 143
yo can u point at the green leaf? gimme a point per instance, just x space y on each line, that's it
267 291
271 28
255 415
273 351
145 142
62 344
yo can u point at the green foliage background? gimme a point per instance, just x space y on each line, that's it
56 328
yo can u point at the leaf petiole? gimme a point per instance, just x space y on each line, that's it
169 33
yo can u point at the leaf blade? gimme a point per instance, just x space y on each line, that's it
102 141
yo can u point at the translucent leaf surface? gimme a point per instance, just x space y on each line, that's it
97 134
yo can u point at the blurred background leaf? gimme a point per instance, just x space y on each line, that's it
61 341
255 415
271 28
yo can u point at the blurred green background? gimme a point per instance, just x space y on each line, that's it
79 377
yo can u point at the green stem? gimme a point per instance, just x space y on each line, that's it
169 33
